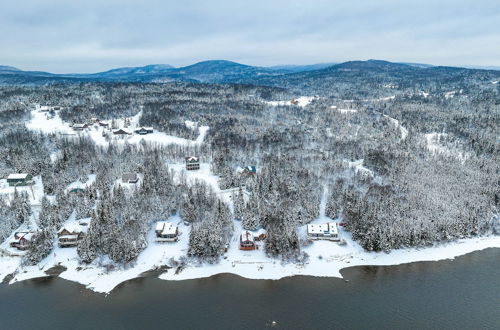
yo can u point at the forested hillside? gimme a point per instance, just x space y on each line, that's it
409 157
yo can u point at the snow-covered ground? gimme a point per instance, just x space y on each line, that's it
495 82
301 101
326 258
102 136
80 185
344 110
434 147
358 166
35 191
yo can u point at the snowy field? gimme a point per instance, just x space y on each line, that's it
45 123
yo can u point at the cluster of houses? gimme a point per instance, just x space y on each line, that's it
166 232
68 236
143 130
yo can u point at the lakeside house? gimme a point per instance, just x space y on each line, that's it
71 233
144 130
192 163
19 179
130 178
21 240
247 241
166 232
326 231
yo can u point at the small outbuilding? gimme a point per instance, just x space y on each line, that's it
19 179
192 163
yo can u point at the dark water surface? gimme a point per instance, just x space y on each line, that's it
459 294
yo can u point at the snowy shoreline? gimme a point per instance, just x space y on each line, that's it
253 265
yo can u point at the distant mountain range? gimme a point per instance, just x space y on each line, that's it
221 71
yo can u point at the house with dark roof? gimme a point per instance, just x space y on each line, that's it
192 163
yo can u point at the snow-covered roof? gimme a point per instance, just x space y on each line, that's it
324 228
246 236
22 235
160 225
17 176
169 229
73 227
192 159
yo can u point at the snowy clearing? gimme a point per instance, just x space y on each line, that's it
302 101
434 147
45 123
344 110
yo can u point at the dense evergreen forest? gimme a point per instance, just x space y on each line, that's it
405 161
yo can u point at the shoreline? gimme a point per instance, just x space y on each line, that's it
96 279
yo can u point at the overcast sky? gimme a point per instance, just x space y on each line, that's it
96 35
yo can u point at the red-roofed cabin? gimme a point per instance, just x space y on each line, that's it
247 241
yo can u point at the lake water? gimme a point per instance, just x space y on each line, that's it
459 294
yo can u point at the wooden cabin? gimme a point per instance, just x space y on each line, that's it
144 130
166 232
19 179
247 241
121 131
71 233
21 240
192 163
326 231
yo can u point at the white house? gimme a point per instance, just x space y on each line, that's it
328 231
166 232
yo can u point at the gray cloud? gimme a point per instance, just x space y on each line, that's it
88 36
